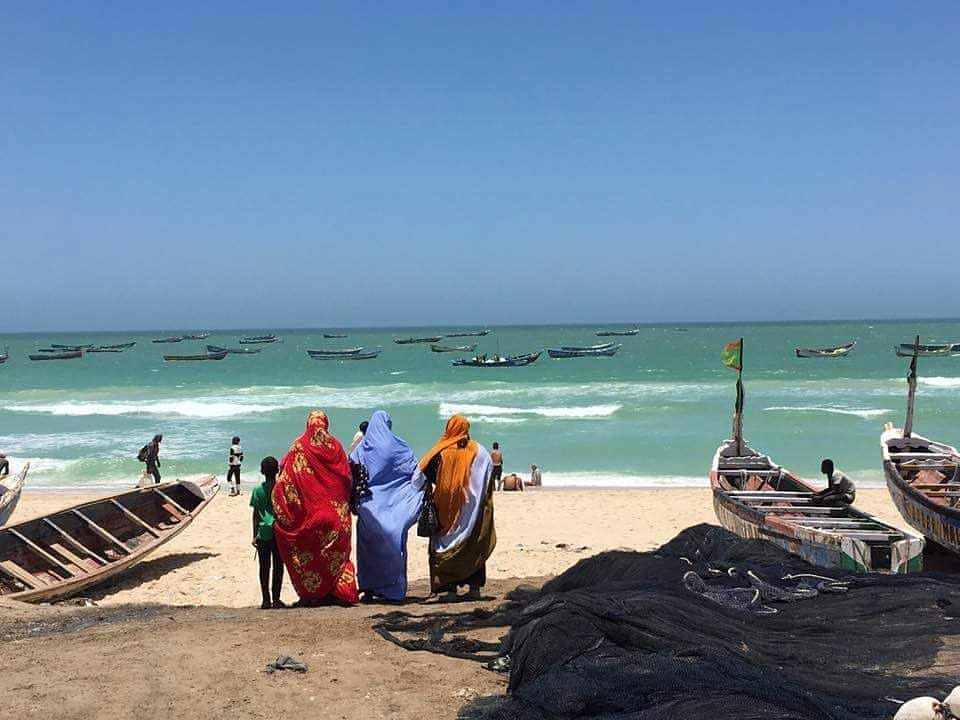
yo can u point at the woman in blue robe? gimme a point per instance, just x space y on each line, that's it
391 509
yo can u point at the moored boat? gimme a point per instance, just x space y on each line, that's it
497 361
10 489
60 554
412 341
836 351
907 349
569 352
334 336
204 356
452 348
67 355
104 350
233 351
363 355
335 351
258 340
617 333
119 346
4 356
922 475
468 333
171 339
71 347
197 336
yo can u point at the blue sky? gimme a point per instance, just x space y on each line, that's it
225 164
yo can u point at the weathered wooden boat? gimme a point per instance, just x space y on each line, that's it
452 348
367 355
63 553
197 336
923 476
104 350
66 355
71 347
334 336
906 349
836 351
4 356
10 489
119 346
617 333
496 361
233 351
171 339
756 498
412 341
583 352
336 351
259 340
203 356
599 346
468 333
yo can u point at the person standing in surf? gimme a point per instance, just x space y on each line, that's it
234 461
150 455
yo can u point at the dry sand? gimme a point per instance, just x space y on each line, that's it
136 656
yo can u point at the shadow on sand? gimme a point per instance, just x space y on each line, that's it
145 572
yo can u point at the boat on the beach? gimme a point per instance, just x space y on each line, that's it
923 475
197 336
497 361
60 554
171 339
10 489
468 333
906 349
363 355
335 351
412 341
334 336
608 351
258 340
452 348
617 333
756 498
202 356
836 351
65 355
233 351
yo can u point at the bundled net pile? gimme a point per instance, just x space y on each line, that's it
709 625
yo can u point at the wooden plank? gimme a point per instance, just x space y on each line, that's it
173 502
40 551
748 471
75 559
11 569
136 518
798 510
73 541
844 521
101 532
935 486
768 493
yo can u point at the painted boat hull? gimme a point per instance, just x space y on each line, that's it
208 356
76 355
11 496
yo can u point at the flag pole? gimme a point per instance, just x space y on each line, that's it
738 408
912 384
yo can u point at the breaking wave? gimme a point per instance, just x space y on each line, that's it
864 413
571 413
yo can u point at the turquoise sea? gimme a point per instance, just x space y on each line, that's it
650 416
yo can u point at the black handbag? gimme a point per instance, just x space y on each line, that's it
429 520
359 486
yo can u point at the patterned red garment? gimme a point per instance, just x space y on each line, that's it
311 502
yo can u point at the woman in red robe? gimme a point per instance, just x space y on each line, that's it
311 502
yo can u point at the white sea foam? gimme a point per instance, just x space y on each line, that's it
943 382
573 413
194 408
865 413
597 479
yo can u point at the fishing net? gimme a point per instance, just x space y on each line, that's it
708 625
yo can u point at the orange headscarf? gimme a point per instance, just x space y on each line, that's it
453 476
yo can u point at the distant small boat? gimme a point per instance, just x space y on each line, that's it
617 333
206 356
198 336
336 351
71 347
453 348
334 336
68 355
411 341
233 351
577 348
120 346
104 350
496 361
924 350
557 353
837 351
3 357
258 339
366 355
10 489
468 333
172 339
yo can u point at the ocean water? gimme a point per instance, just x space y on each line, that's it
651 416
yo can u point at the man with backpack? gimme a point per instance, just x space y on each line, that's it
150 454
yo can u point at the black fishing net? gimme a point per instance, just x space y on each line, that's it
709 625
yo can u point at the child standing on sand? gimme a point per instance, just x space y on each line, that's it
263 540
233 466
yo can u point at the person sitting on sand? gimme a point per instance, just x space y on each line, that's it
460 471
311 507
358 436
840 489
263 539
497 457
4 465
512 482
535 478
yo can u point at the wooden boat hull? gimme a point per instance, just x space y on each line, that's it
336 351
557 353
75 355
3 358
207 356
199 336
844 538
839 351
469 333
12 489
415 341
333 336
61 554
935 521
617 333
454 348
119 346
258 341
371 355
515 361
232 351
167 340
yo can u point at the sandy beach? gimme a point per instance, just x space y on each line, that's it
180 630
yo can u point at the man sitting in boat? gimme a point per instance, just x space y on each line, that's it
840 489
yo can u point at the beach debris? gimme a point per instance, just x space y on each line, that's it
286 662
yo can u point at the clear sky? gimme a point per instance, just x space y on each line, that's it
235 164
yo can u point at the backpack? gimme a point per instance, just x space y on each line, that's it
144 451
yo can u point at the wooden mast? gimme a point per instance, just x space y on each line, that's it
738 407
912 384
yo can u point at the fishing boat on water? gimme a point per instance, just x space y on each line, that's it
336 351
66 355
452 348
907 349
60 554
10 489
259 340
829 352
233 351
363 355
197 336
119 346
171 339
334 336
4 356
202 356
923 475
572 352
497 361
756 498
71 347
617 333
413 341
104 350
468 333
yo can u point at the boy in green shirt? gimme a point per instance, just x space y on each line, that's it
263 540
